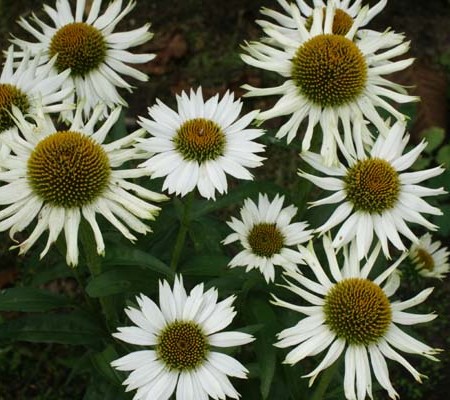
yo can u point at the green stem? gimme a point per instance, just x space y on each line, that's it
325 380
181 237
61 247
94 264
82 285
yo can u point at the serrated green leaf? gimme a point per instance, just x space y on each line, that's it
131 256
120 280
28 299
76 328
434 137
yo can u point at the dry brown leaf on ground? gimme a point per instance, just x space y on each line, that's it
169 46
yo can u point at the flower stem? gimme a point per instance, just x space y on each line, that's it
94 264
181 237
325 380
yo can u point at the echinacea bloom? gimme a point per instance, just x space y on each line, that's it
96 55
330 79
430 258
267 235
375 194
30 88
346 12
182 336
56 177
354 317
200 143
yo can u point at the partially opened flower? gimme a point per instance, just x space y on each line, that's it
375 194
200 143
267 235
430 258
96 55
30 88
183 335
56 177
331 79
354 317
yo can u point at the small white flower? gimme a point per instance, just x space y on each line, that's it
334 79
375 194
200 143
57 176
430 258
266 233
95 54
352 315
29 87
182 333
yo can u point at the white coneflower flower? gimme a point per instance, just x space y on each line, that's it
200 143
30 88
183 334
57 176
430 258
352 315
331 79
346 12
266 233
95 54
375 194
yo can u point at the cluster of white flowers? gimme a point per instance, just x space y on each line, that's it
334 78
54 174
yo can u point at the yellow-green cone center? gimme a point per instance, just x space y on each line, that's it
342 22
11 95
424 259
372 185
200 140
265 240
182 346
79 46
329 70
68 169
358 311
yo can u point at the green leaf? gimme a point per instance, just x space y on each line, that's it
265 351
421 163
434 136
443 156
100 389
102 363
206 235
122 255
76 328
235 196
205 265
443 221
31 300
50 273
119 129
120 280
